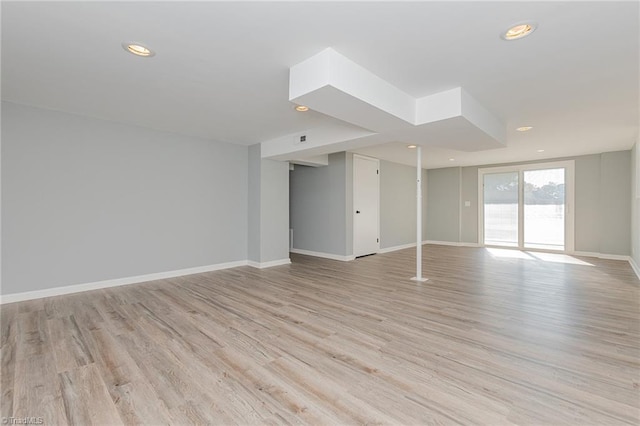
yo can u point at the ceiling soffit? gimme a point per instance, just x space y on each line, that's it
332 84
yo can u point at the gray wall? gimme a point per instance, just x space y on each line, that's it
398 204
349 203
443 204
309 208
321 208
337 170
85 200
318 206
274 211
635 204
253 215
469 214
268 215
602 204
615 204
587 200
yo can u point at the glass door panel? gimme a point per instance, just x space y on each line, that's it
544 209
501 209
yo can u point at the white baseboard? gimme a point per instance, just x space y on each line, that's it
59 291
262 265
442 243
451 243
323 255
634 266
600 255
396 248
629 259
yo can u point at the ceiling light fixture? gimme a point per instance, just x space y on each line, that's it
452 159
519 31
541 150
302 108
412 146
138 49
524 128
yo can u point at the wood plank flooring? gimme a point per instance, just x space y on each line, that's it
495 337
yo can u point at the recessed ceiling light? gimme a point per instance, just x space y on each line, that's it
302 108
524 128
412 146
518 31
452 159
138 49
541 150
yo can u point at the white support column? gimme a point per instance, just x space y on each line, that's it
418 276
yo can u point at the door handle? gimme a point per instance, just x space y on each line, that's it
357 211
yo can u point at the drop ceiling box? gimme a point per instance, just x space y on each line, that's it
334 85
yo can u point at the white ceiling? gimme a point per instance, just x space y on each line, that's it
221 70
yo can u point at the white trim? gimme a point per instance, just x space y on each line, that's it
78 288
323 255
568 165
460 203
451 243
594 254
58 291
270 264
396 248
439 243
634 266
419 215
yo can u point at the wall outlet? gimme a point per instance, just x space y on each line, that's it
467 203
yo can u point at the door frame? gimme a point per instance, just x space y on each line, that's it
353 208
569 200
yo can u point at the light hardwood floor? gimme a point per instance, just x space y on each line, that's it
488 340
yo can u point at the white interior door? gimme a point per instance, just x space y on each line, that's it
366 205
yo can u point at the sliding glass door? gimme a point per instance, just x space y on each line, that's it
544 209
527 206
501 209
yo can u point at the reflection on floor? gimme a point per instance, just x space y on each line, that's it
532 255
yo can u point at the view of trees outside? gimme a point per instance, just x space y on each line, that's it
501 209
544 215
544 208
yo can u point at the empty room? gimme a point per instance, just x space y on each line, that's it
323 213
